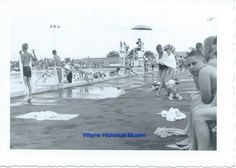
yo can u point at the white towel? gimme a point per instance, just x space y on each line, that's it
168 60
47 115
165 132
172 114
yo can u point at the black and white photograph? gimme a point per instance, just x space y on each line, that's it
121 76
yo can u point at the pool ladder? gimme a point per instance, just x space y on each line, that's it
48 72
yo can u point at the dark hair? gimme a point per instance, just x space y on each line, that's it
158 46
24 46
195 53
199 45
54 51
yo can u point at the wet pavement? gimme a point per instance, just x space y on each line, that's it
118 106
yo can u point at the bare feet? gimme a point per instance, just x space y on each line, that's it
29 99
26 98
157 94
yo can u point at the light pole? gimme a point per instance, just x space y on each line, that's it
54 27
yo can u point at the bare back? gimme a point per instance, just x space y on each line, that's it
26 58
57 60
208 83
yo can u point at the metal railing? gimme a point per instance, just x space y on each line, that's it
48 73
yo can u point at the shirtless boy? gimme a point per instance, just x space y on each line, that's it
206 81
27 72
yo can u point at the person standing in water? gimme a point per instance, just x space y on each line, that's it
26 59
57 64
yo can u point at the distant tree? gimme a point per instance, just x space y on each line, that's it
149 55
113 54
132 54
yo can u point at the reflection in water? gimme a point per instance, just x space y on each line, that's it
60 93
108 89
97 92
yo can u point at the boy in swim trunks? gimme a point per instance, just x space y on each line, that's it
27 72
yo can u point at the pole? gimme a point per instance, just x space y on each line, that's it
54 34
54 40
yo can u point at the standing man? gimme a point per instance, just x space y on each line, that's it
57 64
25 60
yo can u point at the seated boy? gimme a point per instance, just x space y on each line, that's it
206 80
205 76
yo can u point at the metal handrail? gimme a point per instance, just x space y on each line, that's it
45 73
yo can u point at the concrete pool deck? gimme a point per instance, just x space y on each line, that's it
132 112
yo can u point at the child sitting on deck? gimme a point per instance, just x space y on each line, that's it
172 90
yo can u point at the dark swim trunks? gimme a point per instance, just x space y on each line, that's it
162 67
69 77
27 71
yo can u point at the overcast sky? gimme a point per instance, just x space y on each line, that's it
95 29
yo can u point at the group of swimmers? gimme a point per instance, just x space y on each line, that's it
26 58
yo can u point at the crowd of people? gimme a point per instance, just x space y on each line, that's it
201 62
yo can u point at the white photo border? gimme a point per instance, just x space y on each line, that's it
223 157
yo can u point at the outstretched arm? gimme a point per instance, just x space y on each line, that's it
34 56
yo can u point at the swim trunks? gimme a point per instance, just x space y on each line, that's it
162 67
69 77
27 71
